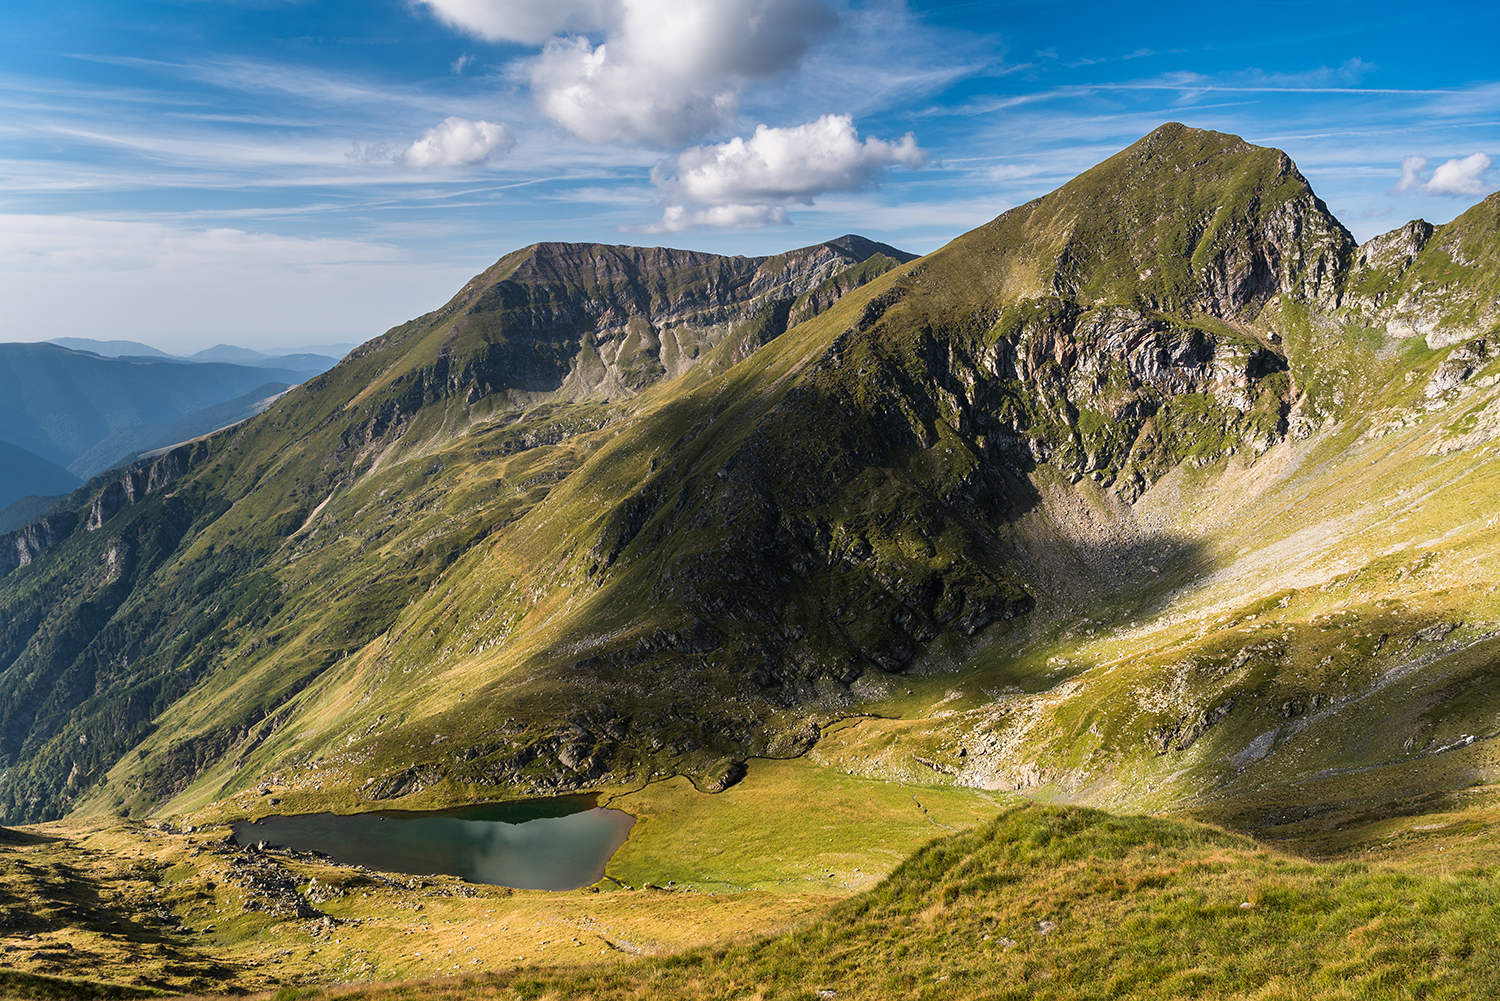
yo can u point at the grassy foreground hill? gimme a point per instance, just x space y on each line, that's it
1037 902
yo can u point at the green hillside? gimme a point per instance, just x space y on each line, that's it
515 371
1145 494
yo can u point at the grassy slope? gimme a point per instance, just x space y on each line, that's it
536 585
1126 662
1072 903
1141 907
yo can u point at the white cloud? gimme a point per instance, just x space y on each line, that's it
527 21
457 142
1411 173
373 152
743 180
41 243
666 71
1010 171
677 218
1461 177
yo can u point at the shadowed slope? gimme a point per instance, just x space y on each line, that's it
170 573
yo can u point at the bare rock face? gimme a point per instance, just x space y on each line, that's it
1440 283
21 547
580 321
141 479
1394 251
116 495
1454 370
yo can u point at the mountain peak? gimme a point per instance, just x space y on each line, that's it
864 248
1176 136
1183 221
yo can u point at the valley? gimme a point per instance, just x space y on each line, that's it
1137 546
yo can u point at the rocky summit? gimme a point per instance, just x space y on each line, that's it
1157 492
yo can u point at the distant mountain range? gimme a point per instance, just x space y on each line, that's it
68 412
28 474
313 357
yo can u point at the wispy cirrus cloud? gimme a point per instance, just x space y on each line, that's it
144 276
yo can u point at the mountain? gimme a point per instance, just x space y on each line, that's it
1156 492
309 361
60 403
305 361
26 473
228 353
128 443
578 335
109 349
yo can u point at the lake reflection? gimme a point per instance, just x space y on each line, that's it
555 844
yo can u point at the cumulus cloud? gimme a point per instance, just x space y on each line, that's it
1461 177
677 218
524 21
1411 173
457 142
665 72
1464 177
748 182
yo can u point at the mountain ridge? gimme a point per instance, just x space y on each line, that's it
464 564
59 403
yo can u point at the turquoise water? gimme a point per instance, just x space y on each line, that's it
553 844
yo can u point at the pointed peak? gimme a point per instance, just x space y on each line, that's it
864 248
1181 148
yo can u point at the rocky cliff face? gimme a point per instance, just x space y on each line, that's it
1440 283
588 321
21 547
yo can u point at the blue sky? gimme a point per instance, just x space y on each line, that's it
283 172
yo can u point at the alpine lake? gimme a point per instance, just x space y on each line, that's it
554 844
